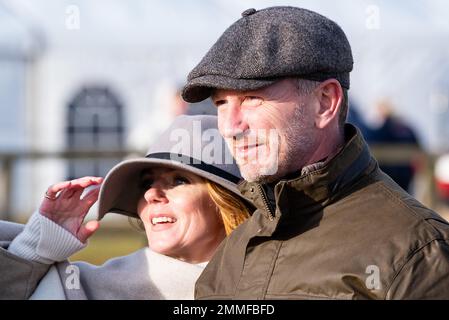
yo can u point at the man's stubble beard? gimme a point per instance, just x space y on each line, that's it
297 143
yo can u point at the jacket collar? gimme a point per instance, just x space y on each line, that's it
317 184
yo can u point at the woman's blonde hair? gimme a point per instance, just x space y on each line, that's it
232 209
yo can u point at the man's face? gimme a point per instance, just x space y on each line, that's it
269 131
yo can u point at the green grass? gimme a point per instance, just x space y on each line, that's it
108 243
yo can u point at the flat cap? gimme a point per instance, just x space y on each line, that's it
270 44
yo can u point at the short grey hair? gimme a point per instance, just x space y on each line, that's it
306 87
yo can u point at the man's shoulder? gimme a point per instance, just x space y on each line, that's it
383 203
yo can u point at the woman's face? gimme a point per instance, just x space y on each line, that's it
179 216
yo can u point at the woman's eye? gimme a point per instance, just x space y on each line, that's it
146 184
180 181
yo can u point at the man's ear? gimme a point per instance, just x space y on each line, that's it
329 96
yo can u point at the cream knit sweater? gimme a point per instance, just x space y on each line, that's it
143 274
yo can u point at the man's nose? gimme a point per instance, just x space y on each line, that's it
155 194
231 121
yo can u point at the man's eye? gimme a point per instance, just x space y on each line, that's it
252 101
180 181
218 103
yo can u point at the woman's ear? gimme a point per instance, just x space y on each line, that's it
330 96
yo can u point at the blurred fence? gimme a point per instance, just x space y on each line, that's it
385 154
9 159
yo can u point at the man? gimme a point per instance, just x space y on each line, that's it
394 130
328 224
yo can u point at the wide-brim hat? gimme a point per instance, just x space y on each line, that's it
191 143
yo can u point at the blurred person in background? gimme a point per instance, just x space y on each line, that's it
394 130
179 106
186 205
356 119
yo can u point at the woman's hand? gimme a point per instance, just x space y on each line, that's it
64 206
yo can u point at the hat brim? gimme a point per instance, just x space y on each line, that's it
120 190
201 88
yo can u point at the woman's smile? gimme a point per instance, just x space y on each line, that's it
162 222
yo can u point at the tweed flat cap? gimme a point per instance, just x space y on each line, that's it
270 44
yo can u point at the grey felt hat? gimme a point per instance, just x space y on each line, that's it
191 143
270 44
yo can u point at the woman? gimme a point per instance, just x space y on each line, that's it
186 201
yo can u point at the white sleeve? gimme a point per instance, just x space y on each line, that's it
44 241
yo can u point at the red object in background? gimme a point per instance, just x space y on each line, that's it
442 176
443 189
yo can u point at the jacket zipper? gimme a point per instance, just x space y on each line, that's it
265 201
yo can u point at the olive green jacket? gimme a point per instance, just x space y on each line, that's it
342 230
